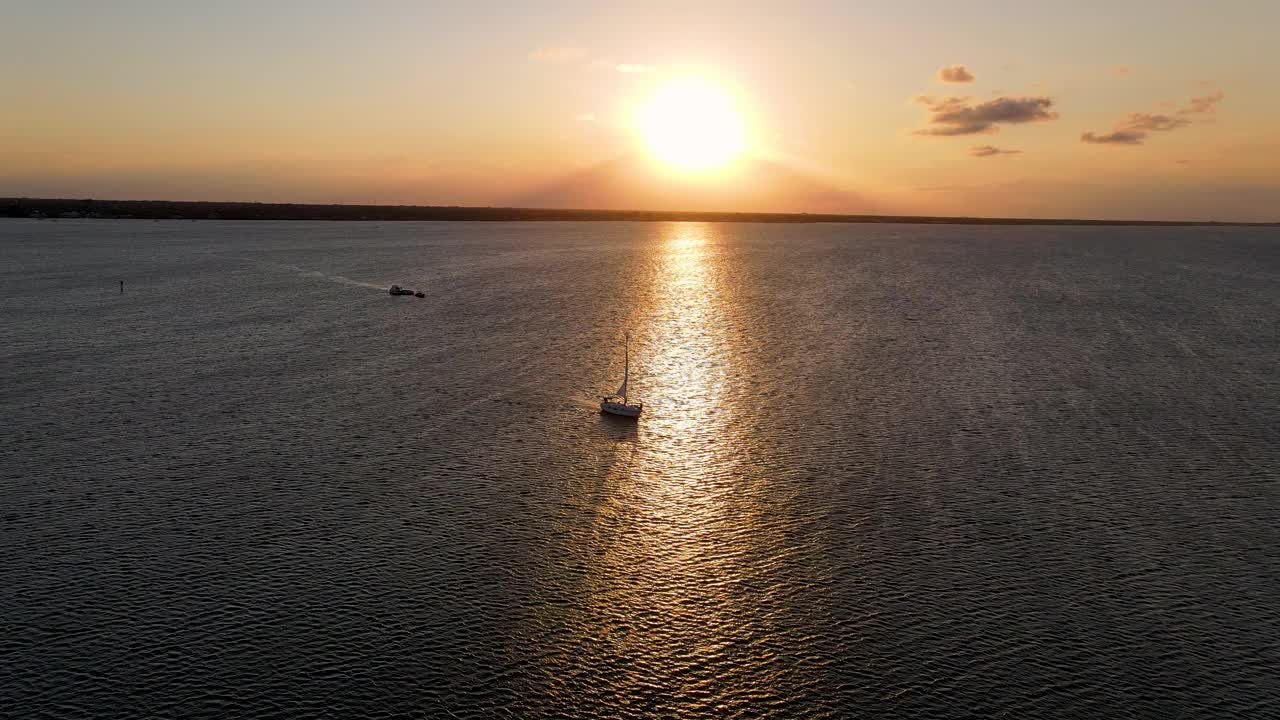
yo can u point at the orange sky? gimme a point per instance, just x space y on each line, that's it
1116 110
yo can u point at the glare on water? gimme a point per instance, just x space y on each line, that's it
678 545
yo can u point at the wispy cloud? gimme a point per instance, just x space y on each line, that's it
632 68
1147 122
1135 127
955 74
557 54
990 151
1203 105
1119 137
955 116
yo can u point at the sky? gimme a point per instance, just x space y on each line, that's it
1138 109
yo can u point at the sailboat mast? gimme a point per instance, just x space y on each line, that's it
626 365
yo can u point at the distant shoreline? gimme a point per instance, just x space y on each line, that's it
191 210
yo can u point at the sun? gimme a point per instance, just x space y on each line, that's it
693 125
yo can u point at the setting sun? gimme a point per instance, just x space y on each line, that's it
693 125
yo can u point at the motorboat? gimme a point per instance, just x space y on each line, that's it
397 290
419 294
617 403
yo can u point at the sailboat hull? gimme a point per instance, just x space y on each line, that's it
620 409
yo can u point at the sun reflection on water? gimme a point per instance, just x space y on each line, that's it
675 551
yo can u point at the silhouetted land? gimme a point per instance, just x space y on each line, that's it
170 210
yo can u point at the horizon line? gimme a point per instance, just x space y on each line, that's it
341 212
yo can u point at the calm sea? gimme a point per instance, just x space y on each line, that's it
883 471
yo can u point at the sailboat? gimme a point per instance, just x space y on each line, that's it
609 403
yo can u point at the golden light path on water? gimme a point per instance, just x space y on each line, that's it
676 603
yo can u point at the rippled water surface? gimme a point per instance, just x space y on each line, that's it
883 471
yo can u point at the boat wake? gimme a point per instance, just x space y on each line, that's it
353 283
303 272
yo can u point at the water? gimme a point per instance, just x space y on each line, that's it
884 471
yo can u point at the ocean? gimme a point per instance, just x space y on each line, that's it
883 470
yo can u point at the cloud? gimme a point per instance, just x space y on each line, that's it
1136 126
955 74
1203 105
1121 70
632 68
1148 122
990 150
957 117
557 54
1119 137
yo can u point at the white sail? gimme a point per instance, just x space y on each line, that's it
626 367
